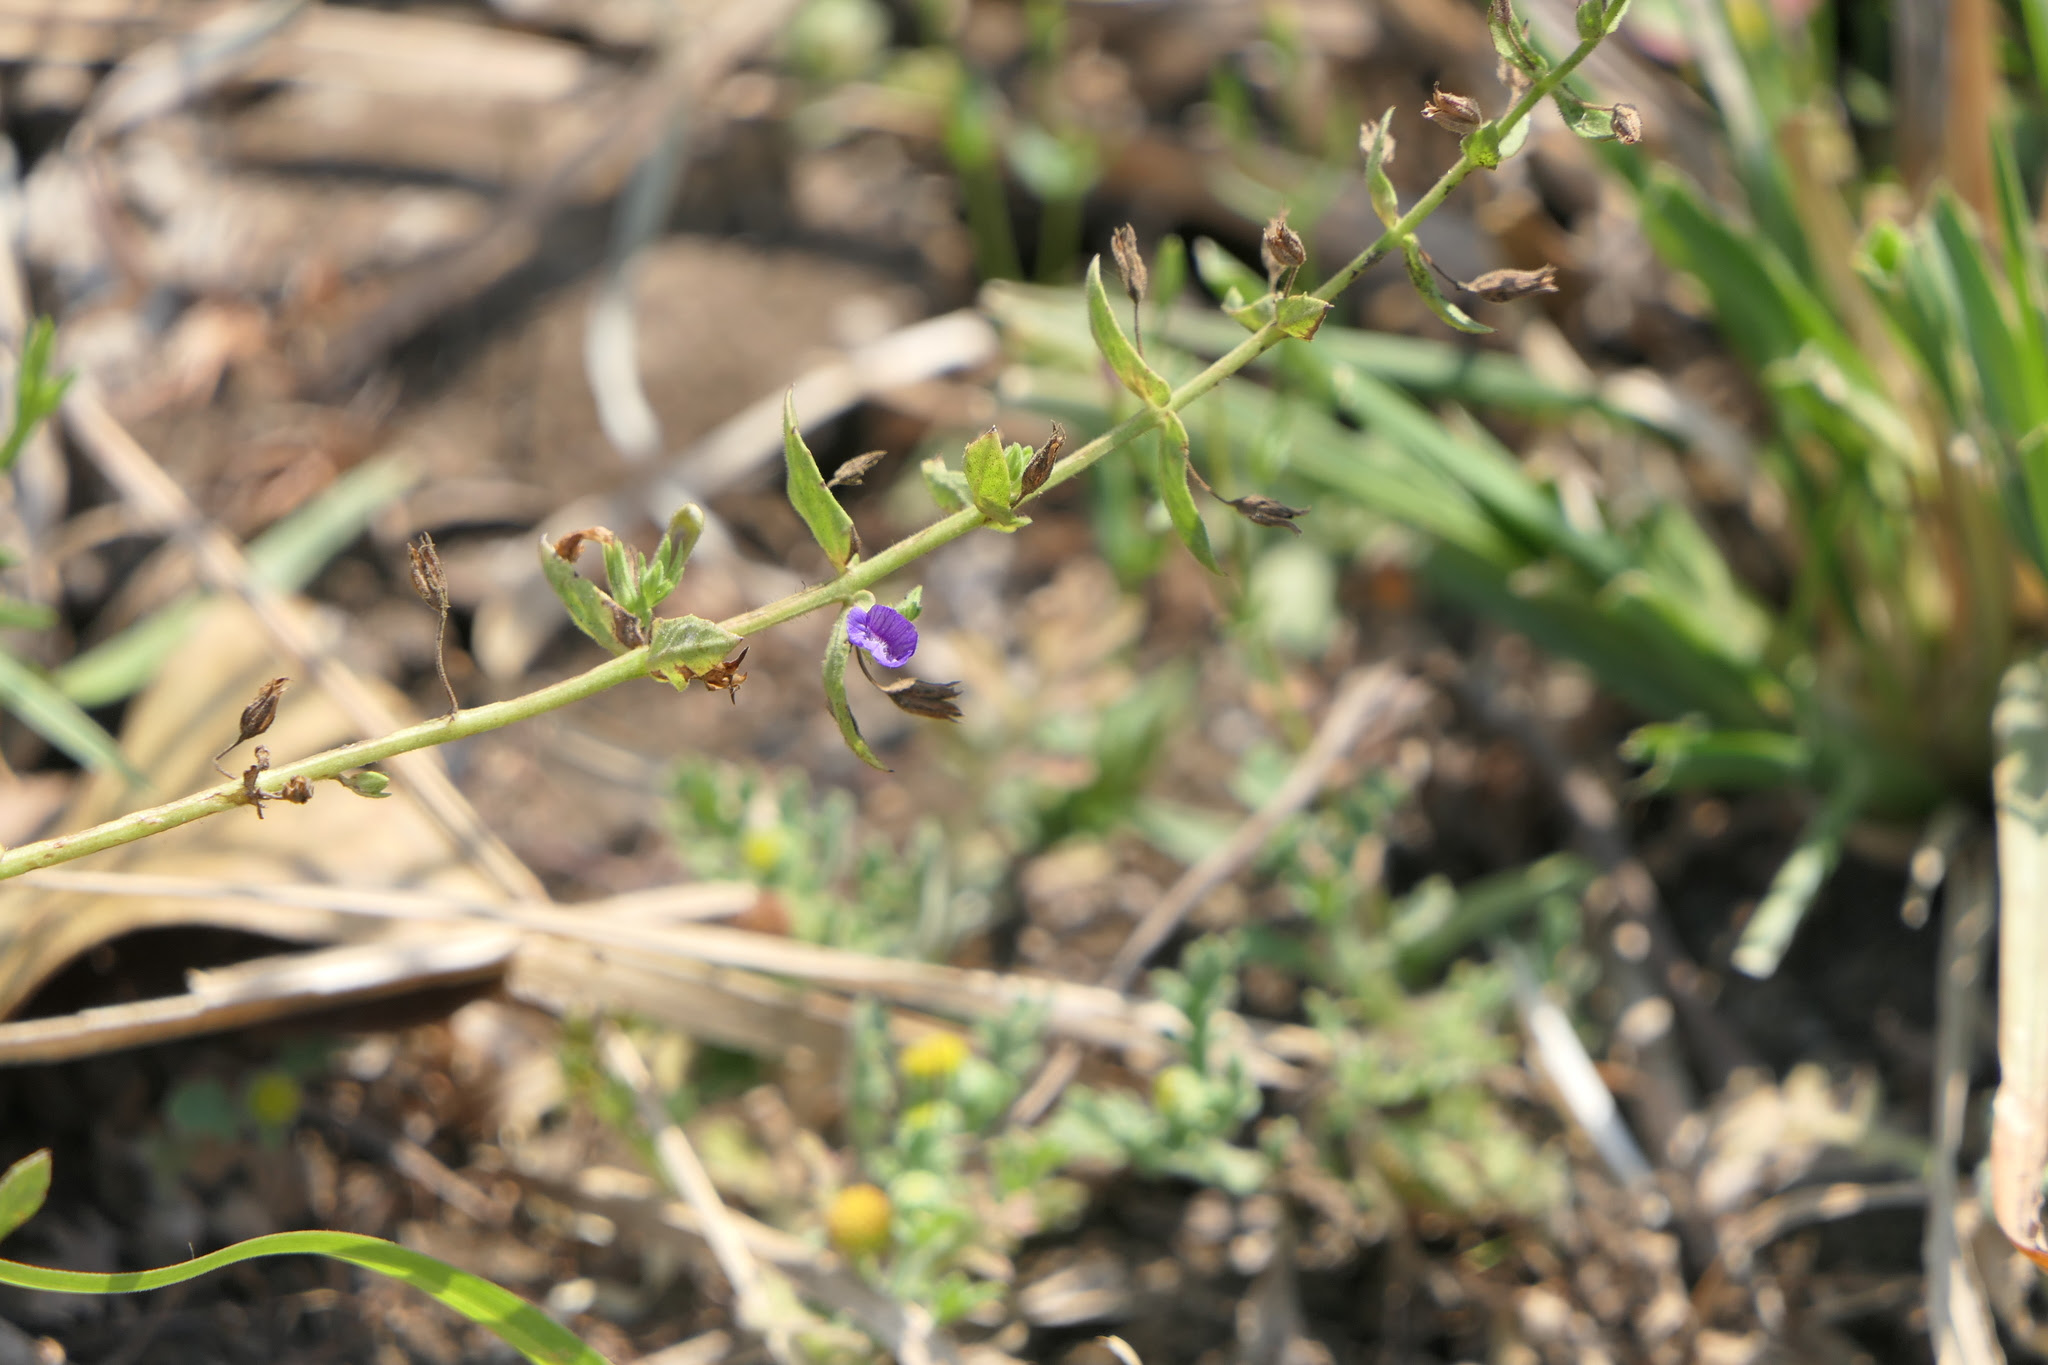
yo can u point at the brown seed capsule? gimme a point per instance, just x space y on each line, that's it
726 677
1505 286
1281 248
1456 114
932 700
428 580
1042 461
1123 245
1262 511
1628 125
256 718
297 790
854 470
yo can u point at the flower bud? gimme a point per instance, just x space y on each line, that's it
1458 114
933 1057
858 1221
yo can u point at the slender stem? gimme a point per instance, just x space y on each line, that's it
858 576
1450 179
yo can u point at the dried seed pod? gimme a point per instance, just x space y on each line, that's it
1042 461
1628 125
1263 511
1505 286
1456 114
297 790
256 718
931 700
428 578
726 677
1281 251
854 470
431 583
1130 266
252 793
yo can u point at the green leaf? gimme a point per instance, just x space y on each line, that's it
1617 10
23 1189
37 393
590 607
1172 481
1424 280
1377 142
948 486
1251 316
988 481
912 605
1424 943
1300 315
1482 144
1592 18
1768 935
1509 42
665 570
837 650
22 615
1223 272
36 703
1689 755
1116 348
1589 121
829 524
695 643
622 566
512 1319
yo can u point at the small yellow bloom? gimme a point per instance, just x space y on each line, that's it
933 1057
858 1221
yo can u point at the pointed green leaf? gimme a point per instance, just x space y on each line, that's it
1617 10
1253 315
1768 935
590 607
837 650
814 502
1511 142
1017 455
1593 122
1420 276
1172 480
665 570
912 605
1509 41
988 480
695 643
369 782
1223 272
23 1189
622 565
1379 146
35 701
948 486
1299 315
1116 348
37 392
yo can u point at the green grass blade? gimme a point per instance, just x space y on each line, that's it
35 701
2008 368
515 1321
1482 909
1768 935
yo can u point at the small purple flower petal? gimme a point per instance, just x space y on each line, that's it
884 632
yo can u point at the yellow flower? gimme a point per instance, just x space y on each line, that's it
933 1057
858 1221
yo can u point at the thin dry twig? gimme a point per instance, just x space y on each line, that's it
1958 1310
1373 701
687 1175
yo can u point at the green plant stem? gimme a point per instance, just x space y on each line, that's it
1450 179
858 576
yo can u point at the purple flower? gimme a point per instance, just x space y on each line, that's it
884 632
